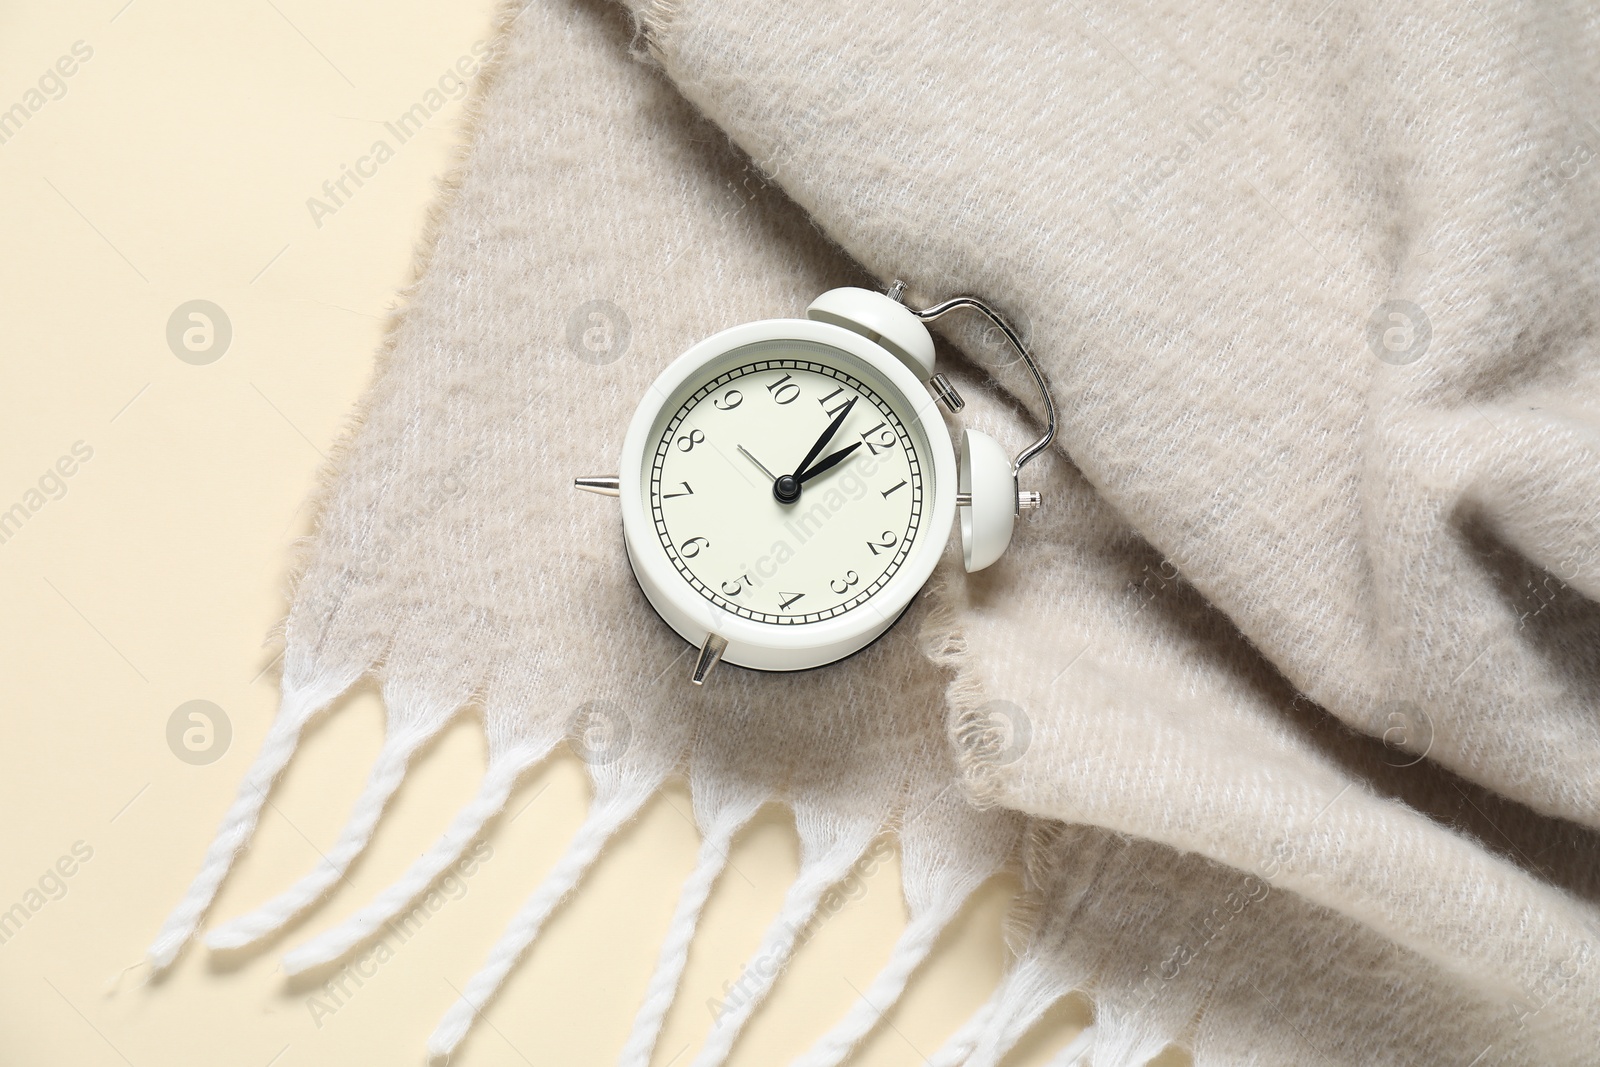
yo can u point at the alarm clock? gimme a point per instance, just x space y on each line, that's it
787 486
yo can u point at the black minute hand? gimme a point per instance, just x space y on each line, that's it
827 435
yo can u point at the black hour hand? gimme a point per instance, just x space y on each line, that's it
828 463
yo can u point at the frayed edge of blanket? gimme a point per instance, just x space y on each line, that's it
652 22
977 738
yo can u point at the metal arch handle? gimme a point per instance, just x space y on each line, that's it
897 293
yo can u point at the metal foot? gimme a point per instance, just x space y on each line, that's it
710 656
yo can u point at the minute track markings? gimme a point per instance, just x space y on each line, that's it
898 433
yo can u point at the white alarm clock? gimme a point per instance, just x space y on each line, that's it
788 485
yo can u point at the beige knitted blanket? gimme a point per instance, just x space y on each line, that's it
1287 703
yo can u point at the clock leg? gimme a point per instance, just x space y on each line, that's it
710 655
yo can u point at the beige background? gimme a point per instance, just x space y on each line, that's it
176 165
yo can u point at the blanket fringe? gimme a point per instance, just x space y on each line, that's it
1025 994
505 767
778 944
910 950
413 722
959 1045
300 701
607 815
1076 1049
662 991
934 890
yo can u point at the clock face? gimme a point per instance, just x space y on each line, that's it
735 444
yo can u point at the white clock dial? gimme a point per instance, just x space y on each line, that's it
753 417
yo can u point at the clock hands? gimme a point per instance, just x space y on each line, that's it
787 487
828 463
827 435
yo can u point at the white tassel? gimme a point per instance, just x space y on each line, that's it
1075 1048
498 780
387 773
1025 995
912 947
777 945
959 1045
663 988
298 705
608 813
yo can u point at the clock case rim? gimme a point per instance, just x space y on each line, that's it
764 646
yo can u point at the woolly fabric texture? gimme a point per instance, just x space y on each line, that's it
1285 704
